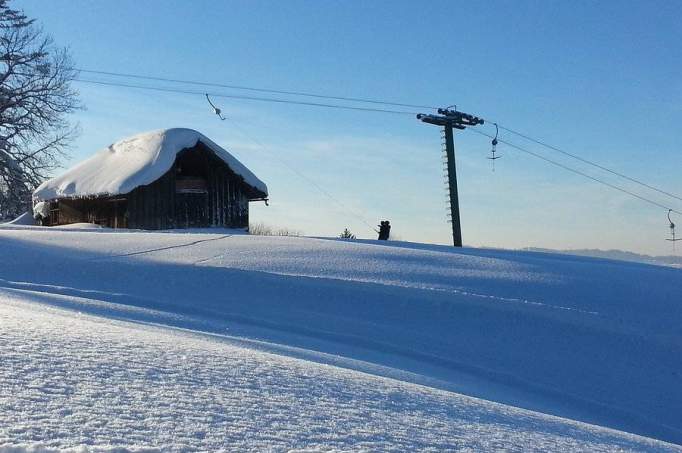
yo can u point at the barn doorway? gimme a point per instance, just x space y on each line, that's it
108 212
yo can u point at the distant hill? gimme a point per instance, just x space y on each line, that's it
622 255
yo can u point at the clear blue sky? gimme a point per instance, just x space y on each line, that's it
599 79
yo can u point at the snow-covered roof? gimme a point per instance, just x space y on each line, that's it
133 162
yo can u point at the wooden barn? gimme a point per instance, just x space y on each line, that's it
172 178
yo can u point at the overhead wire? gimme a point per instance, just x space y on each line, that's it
255 89
589 162
578 172
243 97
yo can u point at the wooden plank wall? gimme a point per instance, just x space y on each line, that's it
152 207
158 206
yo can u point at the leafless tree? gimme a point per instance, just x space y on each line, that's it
35 99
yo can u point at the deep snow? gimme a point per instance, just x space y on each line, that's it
343 331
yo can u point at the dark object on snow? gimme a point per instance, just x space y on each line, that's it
384 230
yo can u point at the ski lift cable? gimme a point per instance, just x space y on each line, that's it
243 97
260 90
578 172
589 162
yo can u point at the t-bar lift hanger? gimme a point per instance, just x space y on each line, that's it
216 110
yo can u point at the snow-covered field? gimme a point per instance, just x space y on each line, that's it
215 340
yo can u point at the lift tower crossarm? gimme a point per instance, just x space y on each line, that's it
449 120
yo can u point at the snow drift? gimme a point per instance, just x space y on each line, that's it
24 219
134 162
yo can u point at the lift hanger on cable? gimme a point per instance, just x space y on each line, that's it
672 230
493 157
216 110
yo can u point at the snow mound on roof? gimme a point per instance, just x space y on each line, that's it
134 162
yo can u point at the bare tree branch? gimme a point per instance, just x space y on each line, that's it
35 98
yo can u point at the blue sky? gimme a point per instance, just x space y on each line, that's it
599 79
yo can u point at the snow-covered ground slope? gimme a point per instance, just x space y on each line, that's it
218 340
78 379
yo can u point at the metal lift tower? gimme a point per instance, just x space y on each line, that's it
450 120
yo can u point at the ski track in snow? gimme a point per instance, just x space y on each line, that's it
588 339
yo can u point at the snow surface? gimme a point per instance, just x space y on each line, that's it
83 226
183 341
24 219
133 162
81 379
